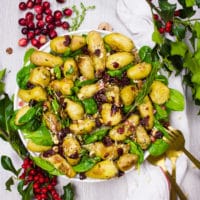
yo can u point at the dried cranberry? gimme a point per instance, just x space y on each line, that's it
107 141
74 155
115 64
67 40
120 173
29 85
114 109
120 151
97 52
82 176
120 130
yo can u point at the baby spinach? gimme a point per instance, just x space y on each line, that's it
55 106
41 136
162 79
119 72
85 164
160 112
68 192
158 147
57 72
79 83
23 75
96 136
47 166
30 114
160 127
136 149
145 54
90 106
27 55
2 84
176 100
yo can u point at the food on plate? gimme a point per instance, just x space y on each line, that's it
88 108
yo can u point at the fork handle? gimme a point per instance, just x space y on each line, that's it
192 158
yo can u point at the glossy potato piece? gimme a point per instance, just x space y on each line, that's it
58 45
71 149
22 111
31 146
159 93
104 152
40 76
88 91
74 110
110 117
40 58
119 60
70 69
139 71
146 112
103 170
82 126
112 94
64 86
37 94
61 164
142 137
128 94
86 67
133 120
52 122
127 161
97 50
119 42
120 132
77 42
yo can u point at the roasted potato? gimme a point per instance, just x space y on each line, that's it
127 161
142 137
119 60
40 76
60 44
119 42
103 170
41 58
139 71
97 51
31 146
82 126
159 92
37 94
61 164
112 94
77 42
128 94
64 86
70 69
109 115
86 67
146 112
71 149
74 110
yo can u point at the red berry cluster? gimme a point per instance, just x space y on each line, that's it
40 22
43 185
165 27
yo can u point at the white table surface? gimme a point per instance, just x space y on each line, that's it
105 11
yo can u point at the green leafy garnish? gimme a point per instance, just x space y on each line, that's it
68 192
158 147
90 106
27 55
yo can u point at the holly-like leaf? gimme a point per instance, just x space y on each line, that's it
156 36
7 164
9 183
68 192
186 12
179 31
167 10
198 3
189 3
197 28
178 48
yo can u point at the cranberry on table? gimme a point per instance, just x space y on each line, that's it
22 6
29 16
24 30
46 4
22 21
67 12
35 42
40 24
65 25
38 9
61 1
161 30
38 2
30 35
39 16
30 4
58 14
23 42
58 23
48 11
52 34
49 18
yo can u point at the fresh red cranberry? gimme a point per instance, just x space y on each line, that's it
49 18
58 14
177 13
52 34
38 2
23 42
30 4
46 4
37 31
44 31
65 25
40 24
48 11
61 1
35 43
67 12
24 30
22 6
29 16
50 26
22 21
168 26
58 23
31 25
38 9
161 30
42 39
30 35
39 16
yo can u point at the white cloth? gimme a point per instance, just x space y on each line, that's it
138 20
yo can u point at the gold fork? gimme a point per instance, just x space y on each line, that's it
176 141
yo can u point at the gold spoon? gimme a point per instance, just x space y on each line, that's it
160 161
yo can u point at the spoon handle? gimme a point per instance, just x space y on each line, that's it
192 158
176 187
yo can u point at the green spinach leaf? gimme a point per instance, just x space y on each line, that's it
27 55
9 183
68 192
158 147
90 106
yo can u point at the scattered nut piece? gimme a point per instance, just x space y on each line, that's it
9 50
105 26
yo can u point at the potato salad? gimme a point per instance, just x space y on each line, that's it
91 106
